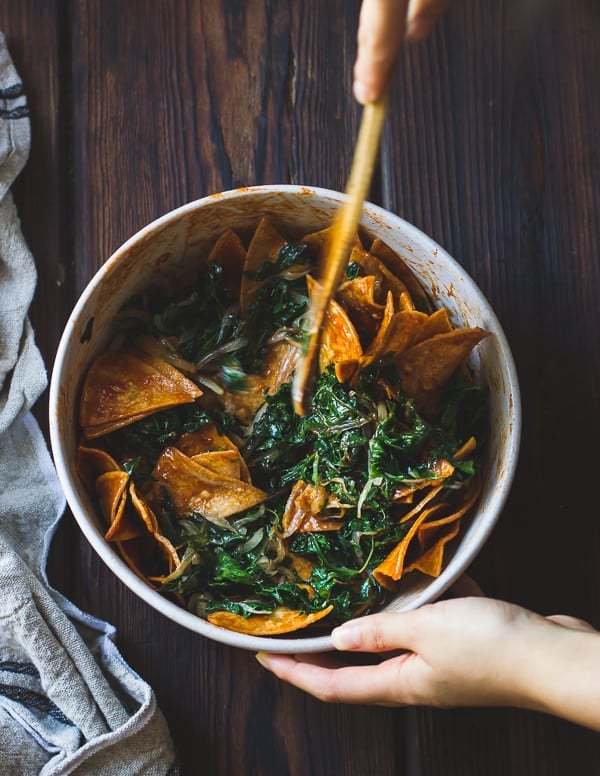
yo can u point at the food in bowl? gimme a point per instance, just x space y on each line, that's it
256 519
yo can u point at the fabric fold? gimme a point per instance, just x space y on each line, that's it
69 703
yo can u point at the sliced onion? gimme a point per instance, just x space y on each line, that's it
206 381
293 273
163 349
253 541
198 602
228 347
189 556
271 565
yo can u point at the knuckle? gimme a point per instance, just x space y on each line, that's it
376 636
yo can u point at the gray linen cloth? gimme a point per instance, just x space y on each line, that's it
69 704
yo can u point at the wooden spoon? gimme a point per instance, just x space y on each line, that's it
338 249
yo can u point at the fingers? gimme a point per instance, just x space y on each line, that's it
421 17
381 29
377 684
572 622
383 632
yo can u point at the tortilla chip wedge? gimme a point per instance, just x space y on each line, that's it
358 299
264 246
304 510
427 532
340 340
432 560
224 462
425 368
194 488
230 254
280 620
208 440
111 488
127 385
91 462
397 266
391 569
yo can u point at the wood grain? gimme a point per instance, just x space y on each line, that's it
492 148
191 99
494 152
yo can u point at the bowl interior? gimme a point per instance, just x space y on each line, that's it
164 254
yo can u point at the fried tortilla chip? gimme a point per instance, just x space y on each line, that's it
207 440
147 556
111 488
229 253
424 501
425 368
431 562
243 405
436 323
278 365
319 241
141 507
378 346
441 468
357 297
169 552
264 246
428 530
166 549
465 450
91 462
385 281
301 565
126 385
280 620
402 330
194 488
397 266
340 341
225 462
434 534
390 570
346 370
304 510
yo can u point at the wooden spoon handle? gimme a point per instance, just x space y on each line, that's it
336 254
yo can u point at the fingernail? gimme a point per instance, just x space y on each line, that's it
263 659
361 93
347 636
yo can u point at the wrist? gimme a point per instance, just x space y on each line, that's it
557 672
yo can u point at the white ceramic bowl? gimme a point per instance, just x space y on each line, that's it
160 253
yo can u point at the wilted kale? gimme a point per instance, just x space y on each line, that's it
142 442
359 443
288 256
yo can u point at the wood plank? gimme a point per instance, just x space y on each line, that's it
41 189
171 104
493 151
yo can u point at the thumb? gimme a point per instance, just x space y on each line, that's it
382 632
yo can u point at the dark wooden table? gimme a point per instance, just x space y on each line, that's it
492 147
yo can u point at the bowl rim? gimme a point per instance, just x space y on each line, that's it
110 557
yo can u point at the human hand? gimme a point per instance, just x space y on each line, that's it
461 652
383 26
